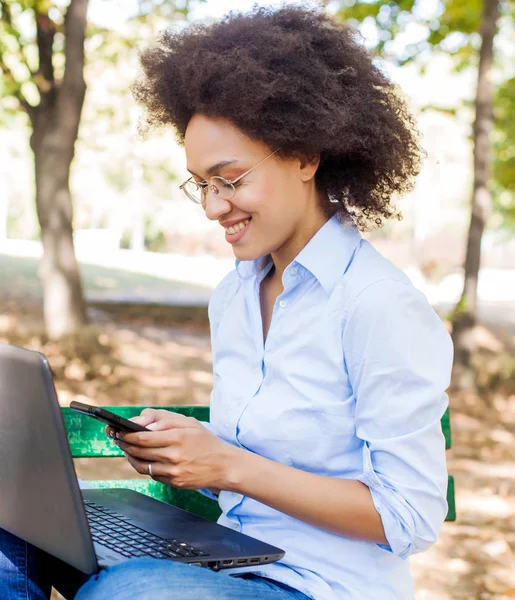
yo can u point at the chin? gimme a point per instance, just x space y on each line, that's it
247 253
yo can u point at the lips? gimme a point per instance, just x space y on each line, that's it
235 222
232 238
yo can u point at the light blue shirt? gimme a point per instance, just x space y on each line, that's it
351 384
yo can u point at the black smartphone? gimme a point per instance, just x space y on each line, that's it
115 421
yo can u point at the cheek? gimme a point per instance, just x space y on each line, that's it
256 197
267 200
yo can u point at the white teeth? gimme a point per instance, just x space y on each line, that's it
238 227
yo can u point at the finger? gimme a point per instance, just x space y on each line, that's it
168 422
155 439
148 454
141 466
164 479
138 465
150 415
140 420
171 420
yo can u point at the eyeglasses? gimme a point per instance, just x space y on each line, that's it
197 191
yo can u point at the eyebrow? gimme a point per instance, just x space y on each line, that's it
217 167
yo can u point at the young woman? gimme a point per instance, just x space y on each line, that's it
330 369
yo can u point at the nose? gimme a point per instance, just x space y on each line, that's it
215 206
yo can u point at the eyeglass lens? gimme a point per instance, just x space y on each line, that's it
216 185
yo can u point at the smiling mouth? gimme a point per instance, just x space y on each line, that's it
237 227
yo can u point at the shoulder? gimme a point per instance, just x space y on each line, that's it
380 298
389 323
373 279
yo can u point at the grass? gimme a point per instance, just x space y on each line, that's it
19 279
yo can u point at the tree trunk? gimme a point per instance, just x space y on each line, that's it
465 316
63 305
55 123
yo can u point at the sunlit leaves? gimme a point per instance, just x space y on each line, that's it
504 152
451 27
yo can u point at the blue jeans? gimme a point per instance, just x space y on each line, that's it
27 573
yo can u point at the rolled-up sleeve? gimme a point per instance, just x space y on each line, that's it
399 358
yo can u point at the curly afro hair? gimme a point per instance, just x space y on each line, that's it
297 80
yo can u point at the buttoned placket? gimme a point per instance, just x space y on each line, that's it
289 281
251 287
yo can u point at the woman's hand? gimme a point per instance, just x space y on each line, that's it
184 454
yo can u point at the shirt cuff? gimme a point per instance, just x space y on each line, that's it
208 494
396 519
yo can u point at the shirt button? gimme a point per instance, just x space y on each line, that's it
293 270
283 303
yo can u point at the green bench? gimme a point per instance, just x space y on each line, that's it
88 440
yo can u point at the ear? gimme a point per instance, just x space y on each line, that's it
308 166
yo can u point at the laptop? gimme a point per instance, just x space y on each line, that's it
90 529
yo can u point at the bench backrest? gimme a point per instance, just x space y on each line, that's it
88 440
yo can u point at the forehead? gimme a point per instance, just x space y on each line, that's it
210 140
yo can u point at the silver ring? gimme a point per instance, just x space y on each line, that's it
149 470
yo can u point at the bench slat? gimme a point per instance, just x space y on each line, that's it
446 428
189 500
451 500
87 437
88 440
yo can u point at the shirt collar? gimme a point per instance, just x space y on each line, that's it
247 269
327 255
329 252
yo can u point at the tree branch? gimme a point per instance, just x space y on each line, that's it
75 35
16 91
45 31
73 87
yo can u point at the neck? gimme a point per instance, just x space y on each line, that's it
300 238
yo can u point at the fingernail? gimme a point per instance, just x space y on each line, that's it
118 436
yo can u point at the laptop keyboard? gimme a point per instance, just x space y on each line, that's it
116 532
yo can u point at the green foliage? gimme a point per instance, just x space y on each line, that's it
390 17
504 164
107 135
155 238
118 177
22 81
457 16
453 27
504 153
450 27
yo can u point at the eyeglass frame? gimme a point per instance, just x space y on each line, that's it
204 184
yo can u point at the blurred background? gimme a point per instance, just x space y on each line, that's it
107 268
